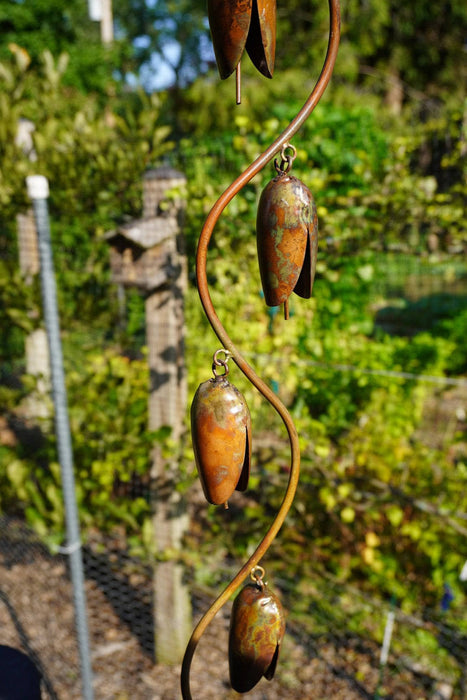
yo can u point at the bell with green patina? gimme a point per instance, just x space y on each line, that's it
287 240
257 627
221 435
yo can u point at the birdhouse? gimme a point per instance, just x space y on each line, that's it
147 253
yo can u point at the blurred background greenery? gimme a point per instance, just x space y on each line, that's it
372 367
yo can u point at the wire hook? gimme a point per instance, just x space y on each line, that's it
216 362
286 159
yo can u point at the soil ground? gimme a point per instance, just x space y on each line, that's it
36 615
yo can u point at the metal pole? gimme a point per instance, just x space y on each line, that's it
38 191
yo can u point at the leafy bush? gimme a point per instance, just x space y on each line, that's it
94 159
455 329
108 397
377 498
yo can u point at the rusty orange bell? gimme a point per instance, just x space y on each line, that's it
257 627
237 25
221 435
287 238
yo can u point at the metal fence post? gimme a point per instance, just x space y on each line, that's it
38 191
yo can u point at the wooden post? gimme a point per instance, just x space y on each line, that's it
36 345
155 186
149 254
165 335
170 520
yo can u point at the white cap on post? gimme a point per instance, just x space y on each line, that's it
38 187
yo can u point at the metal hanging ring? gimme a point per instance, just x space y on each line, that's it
216 362
257 574
286 159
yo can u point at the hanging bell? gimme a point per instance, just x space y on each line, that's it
221 435
286 236
257 627
239 24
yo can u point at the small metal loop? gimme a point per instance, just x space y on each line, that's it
286 159
284 156
216 362
221 363
257 574
284 166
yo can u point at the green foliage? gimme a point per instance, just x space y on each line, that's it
377 183
386 41
60 27
17 310
455 329
383 503
415 203
76 142
340 155
405 45
362 433
94 159
366 442
111 445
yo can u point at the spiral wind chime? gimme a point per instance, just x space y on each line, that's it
287 242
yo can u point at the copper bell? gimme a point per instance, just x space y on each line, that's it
287 237
221 434
257 627
239 24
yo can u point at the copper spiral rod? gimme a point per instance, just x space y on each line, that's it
227 343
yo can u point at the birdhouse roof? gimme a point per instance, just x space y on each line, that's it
145 233
164 173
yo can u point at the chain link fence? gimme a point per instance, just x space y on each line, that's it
333 654
328 659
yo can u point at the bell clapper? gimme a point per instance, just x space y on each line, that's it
238 83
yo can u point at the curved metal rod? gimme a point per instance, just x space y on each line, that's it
269 395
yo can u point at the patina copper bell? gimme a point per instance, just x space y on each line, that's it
237 25
257 627
287 236
221 435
